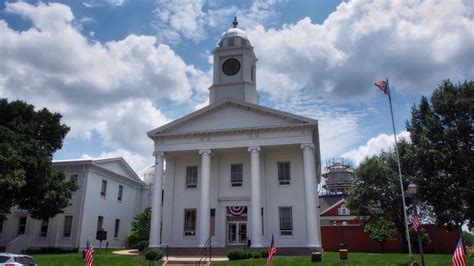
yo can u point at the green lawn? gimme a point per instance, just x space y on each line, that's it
332 258
329 258
75 259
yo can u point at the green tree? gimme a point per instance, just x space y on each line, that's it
441 131
140 228
28 139
380 230
376 191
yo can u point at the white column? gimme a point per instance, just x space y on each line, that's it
255 197
204 216
311 197
155 225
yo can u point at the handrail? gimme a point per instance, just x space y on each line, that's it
204 254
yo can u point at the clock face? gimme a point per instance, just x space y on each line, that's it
231 67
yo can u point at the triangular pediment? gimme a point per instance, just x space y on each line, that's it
229 115
117 165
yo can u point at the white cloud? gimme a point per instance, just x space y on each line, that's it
101 3
109 88
374 146
192 19
416 44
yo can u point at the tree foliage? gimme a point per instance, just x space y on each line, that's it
376 193
380 230
28 139
441 131
140 228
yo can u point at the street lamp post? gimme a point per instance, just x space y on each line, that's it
412 190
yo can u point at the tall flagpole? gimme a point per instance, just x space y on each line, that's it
400 174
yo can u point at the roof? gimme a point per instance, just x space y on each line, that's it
326 202
217 105
98 161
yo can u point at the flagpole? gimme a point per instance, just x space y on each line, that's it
400 174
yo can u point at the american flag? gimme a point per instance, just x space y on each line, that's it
416 222
382 85
458 257
89 258
271 252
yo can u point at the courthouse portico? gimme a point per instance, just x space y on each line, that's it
236 170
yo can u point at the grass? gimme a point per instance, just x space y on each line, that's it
75 259
329 258
362 259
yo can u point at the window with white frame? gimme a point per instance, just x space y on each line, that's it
191 176
100 223
189 222
284 176
286 221
44 228
22 225
343 210
116 228
67 226
236 175
103 188
120 193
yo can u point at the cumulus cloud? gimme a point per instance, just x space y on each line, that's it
136 160
192 19
374 146
416 44
102 87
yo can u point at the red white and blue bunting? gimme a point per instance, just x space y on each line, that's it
236 211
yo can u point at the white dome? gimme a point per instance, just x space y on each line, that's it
231 35
234 32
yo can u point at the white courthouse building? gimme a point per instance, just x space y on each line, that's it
236 170
109 196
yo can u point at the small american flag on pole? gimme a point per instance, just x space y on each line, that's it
416 222
89 257
382 85
271 252
458 257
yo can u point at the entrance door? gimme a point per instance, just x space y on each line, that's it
236 233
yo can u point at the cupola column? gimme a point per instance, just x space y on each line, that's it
155 224
256 205
311 198
204 211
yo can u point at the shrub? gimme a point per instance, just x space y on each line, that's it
50 250
153 254
256 254
142 245
237 254
264 253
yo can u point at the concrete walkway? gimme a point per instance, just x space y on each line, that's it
127 252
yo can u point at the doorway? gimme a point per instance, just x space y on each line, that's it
236 232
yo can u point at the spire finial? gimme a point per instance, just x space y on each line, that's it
235 23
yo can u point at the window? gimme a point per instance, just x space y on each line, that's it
189 222
44 228
100 223
343 210
75 178
236 175
22 225
67 226
286 221
284 176
120 192
103 189
191 176
117 226
1 226
231 41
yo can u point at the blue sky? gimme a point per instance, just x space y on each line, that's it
116 69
